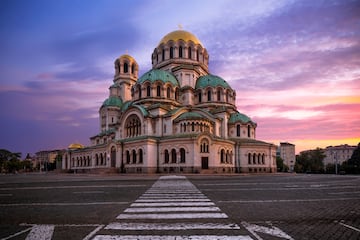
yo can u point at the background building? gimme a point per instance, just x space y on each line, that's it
338 154
176 117
287 153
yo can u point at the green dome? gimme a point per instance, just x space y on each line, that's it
211 81
190 116
157 74
112 101
239 117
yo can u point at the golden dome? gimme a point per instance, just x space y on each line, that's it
128 57
74 146
180 35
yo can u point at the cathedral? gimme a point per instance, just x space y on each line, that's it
175 118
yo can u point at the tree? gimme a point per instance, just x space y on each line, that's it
353 164
281 167
9 161
310 161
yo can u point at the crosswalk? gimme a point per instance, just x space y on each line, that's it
173 208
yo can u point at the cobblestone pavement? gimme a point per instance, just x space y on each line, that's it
280 206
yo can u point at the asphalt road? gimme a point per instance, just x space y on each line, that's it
281 206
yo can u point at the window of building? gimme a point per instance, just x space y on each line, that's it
139 89
173 156
189 52
180 52
166 156
197 55
133 68
204 146
158 91
248 130
141 156
126 67
254 158
238 130
199 95
168 91
127 156
133 156
219 95
209 95
182 155
163 55
171 52
148 91
222 156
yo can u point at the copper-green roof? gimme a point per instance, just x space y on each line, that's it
112 101
239 117
212 81
158 75
190 116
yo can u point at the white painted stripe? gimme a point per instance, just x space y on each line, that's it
172 204
272 231
168 237
171 216
288 200
165 197
171 177
348 226
16 234
172 195
174 200
170 226
64 225
88 192
41 232
275 189
173 209
90 235
61 204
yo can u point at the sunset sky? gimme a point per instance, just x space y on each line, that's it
295 65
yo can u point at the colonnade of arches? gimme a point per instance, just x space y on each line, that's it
179 50
134 156
86 161
171 156
218 94
195 126
155 90
256 158
133 126
226 156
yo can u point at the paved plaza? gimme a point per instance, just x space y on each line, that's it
104 207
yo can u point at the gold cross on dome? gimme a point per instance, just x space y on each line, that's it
180 26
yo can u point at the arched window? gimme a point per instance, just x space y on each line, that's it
180 52
259 156
254 158
238 130
182 155
197 55
166 156
101 159
227 157
222 155
263 159
96 159
126 67
127 156
141 158
189 52
248 130
192 126
148 91
219 95
158 91
177 94
133 126
163 55
168 91
157 57
199 95
133 156
171 52
209 95
173 156
139 89
133 68
204 146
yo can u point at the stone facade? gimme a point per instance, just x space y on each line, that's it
287 153
338 154
176 117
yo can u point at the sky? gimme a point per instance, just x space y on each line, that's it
295 65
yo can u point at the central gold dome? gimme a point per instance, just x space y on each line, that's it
180 35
